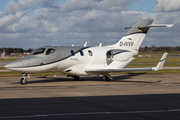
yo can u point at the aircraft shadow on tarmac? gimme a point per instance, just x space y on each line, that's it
120 78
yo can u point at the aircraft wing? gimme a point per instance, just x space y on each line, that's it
158 67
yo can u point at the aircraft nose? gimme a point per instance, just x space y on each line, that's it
6 66
9 65
13 64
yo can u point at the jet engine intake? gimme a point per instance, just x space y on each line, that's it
109 55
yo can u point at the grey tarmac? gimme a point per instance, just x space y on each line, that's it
129 96
61 86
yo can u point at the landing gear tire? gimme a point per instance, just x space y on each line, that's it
107 78
23 81
76 77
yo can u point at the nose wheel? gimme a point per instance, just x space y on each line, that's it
23 81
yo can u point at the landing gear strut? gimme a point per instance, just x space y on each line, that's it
23 80
107 77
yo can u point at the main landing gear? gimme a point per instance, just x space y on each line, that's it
107 77
75 77
23 80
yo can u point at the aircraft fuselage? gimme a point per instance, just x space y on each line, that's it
70 60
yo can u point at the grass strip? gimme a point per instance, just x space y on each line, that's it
8 59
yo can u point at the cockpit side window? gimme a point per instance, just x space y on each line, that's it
39 51
72 53
50 51
81 53
90 52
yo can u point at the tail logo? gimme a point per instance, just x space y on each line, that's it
130 44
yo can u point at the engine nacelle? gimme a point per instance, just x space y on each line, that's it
118 55
122 57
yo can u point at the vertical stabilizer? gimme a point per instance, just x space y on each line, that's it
134 37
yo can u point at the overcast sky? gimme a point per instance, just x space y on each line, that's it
34 23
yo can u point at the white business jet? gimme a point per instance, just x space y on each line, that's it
82 61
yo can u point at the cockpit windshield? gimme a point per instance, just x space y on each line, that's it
50 51
38 51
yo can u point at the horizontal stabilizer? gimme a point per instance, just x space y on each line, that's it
152 26
127 28
156 25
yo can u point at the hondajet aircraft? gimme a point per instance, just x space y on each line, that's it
78 61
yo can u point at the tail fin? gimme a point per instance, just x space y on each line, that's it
134 37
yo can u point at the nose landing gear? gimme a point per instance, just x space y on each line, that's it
23 80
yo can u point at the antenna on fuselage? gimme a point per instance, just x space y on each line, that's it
85 44
100 44
72 44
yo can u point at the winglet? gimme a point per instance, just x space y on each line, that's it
161 63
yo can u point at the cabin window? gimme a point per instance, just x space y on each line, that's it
50 51
39 51
72 53
81 53
90 52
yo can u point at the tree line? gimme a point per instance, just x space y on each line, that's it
153 48
8 51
